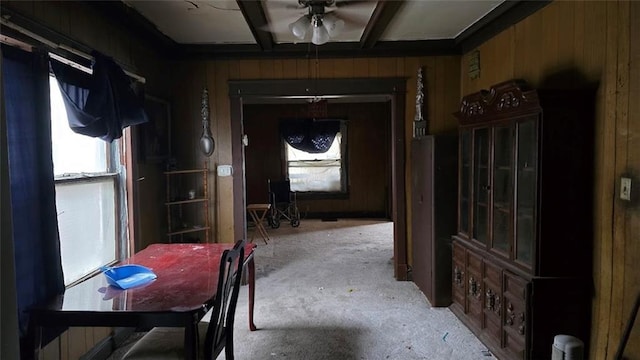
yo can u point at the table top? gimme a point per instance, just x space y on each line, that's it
258 206
187 278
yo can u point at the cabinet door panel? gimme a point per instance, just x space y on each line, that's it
459 275
493 301
527 164
474 288
481 184
465 182
514 323
501 189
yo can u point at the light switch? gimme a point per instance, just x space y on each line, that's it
224 170
625 189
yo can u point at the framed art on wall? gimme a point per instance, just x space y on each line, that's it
155 135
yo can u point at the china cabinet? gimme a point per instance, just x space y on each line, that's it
187 205
521 258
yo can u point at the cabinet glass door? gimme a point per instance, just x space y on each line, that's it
501 188
465 181
527 164
481 184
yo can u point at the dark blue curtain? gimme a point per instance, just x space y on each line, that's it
33 208
99 104
309 135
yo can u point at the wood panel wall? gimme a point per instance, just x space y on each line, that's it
367 157
569 43
82 24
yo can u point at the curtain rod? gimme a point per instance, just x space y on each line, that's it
52 45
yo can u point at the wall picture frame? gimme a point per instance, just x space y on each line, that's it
155 135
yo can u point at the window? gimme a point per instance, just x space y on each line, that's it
88 183
317 172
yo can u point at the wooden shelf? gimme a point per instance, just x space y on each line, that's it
182 210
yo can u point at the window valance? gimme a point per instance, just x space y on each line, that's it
99 104
310 135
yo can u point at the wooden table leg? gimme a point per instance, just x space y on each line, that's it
252 292
191 341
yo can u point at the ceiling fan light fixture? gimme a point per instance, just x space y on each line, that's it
300 26
320 34
333 24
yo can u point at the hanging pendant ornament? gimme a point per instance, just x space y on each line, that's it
207 144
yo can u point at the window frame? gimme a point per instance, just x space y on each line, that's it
116 175
344 169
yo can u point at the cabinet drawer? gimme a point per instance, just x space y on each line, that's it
493 274
458 282
458 252
474 263
515 286
514 324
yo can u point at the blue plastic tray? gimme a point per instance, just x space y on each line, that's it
128 276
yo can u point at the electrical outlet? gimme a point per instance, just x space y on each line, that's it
625 189
225 170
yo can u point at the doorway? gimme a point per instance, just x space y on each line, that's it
384 89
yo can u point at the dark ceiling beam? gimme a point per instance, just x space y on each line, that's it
382 15
253 13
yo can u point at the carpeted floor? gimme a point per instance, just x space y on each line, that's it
326 291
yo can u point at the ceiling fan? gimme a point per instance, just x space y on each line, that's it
323 19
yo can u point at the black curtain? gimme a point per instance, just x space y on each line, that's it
99 104
38 266
310 135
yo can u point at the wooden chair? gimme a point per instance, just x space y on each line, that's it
162 343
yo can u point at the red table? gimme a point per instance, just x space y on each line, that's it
180 296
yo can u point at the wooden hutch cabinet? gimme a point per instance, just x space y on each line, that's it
521 267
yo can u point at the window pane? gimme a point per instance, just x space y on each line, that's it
72 153
321 176
316 172
86 214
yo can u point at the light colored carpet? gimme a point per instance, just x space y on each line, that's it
326 290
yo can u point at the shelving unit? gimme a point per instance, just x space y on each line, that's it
187 205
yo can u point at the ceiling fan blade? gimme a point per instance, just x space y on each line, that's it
343 3
284 4
352 19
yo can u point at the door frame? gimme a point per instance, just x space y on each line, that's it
384 89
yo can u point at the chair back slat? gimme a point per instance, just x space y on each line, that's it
220 330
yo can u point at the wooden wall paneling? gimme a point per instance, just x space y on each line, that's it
289 68
343 68
267 69
324 68
251 69
549 39
566 33
606 166
529 48
373 67
360 68
303 68
619 13
277 68
387 67
226 229
632 231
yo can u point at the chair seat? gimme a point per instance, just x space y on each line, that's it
164 343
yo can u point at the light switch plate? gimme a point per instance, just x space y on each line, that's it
225 170
625 189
